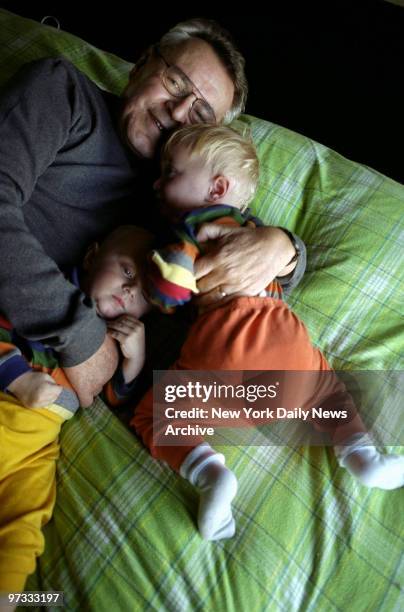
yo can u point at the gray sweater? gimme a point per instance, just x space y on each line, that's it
65 180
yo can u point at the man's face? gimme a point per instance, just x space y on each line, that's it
184 182
114 281
149 110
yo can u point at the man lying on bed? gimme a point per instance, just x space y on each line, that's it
71 157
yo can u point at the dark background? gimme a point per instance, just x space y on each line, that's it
330 70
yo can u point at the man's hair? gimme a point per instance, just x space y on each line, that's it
228 152
223 45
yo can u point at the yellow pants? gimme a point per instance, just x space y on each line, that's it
29 449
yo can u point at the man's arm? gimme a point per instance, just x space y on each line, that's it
88 378
291 276
244 261
37 114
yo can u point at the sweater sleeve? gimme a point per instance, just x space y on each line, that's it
37 114
290 281
293 279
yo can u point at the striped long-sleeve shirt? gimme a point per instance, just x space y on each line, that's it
171 279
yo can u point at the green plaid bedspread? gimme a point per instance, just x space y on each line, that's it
123 534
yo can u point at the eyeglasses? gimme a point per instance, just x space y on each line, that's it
179 85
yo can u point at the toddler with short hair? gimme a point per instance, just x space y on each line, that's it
36 397
210 173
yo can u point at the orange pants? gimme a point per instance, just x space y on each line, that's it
247 333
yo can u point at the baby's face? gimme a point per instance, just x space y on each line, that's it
184 182
114 282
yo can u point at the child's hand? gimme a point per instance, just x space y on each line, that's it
130 334
35 389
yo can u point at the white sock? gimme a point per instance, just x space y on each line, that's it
371 468
205 469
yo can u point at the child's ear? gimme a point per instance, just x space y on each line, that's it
90 256
218 188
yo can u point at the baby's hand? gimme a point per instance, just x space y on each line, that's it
130 334
35 389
